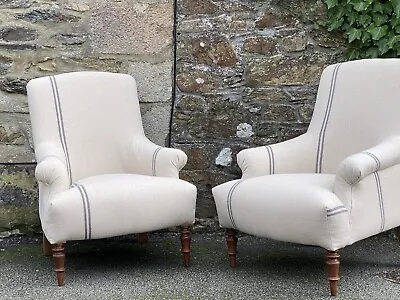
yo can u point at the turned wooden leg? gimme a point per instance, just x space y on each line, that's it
185 242
142 238
231 240
332 262
47 247
59 259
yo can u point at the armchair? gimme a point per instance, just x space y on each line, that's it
334 185
98 175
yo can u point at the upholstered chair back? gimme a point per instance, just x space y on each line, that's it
356 108
88 126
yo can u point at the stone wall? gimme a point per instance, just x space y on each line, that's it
42 37
247 75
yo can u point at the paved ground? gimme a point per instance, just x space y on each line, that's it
123 269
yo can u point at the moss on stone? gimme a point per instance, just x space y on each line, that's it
21 180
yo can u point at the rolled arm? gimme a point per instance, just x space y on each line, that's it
358 166
52 172
151 159
296 155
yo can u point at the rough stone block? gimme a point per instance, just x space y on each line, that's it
190 7
131 27
213 51
154 81
156 120
18 200
283 70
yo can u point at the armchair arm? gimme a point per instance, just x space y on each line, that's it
151 159
296 155
52 171
358 166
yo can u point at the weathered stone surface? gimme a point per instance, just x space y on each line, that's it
15 3
260 45
46 13
275 19
22 34
213 51
294 42
127 27
265 95
154 81
280 113
196 81
11 134
77 5
18 200
189 7
13 103
156 118
282 70
13 85
5 64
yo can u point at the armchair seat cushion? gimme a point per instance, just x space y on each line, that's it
117 204
298 208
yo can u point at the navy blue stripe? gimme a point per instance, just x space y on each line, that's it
61 130
271 160
321 139
153 162
229 203
378 163
84 210
380 199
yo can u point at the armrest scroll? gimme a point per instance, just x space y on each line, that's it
357 166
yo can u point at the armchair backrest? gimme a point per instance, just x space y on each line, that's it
87 119
357 106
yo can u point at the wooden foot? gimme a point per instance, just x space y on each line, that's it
185 242
332 262
142 238
47 247
231 240
59 259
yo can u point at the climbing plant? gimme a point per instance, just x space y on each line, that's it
372 27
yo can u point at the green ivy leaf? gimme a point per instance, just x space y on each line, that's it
377 7
380 19
365 20
377 32
396 7
383 46
354 34
372 52
331 3
352 17
394 21
353 53
360 5
392 40
366 36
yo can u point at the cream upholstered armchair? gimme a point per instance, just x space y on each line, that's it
98 175
334 185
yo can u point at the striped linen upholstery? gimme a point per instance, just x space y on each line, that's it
98 174
353 142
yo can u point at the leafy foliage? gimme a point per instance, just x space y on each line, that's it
372 27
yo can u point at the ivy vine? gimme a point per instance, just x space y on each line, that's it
372 27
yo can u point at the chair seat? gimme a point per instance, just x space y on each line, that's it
298 208
117 204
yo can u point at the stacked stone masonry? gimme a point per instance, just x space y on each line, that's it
246 74
43 37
